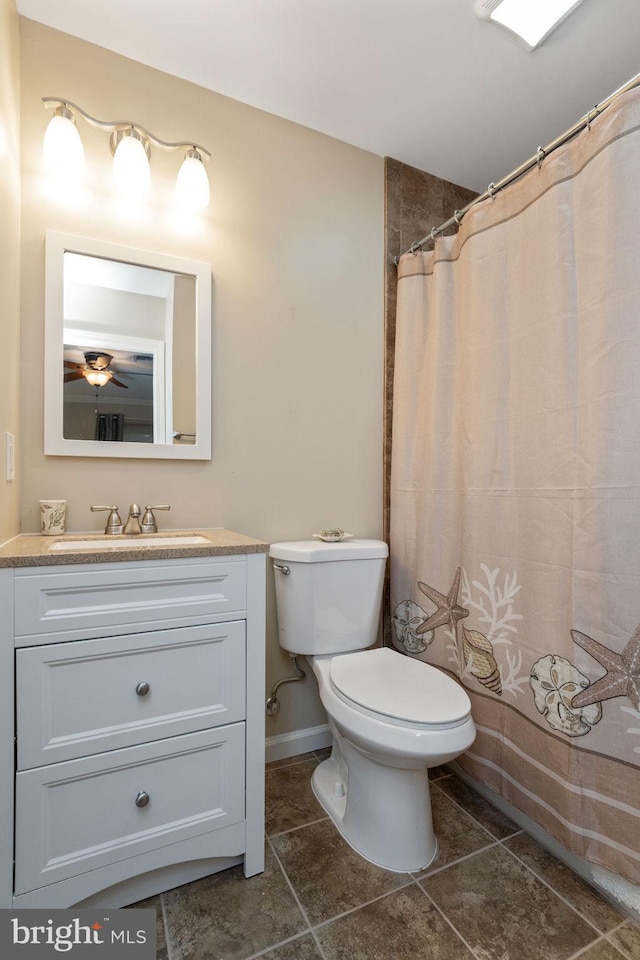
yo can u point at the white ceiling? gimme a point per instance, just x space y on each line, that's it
423 81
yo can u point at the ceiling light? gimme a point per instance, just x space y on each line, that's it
131 146
97 378
531 20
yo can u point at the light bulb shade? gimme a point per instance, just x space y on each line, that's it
192 184
131 171
97 378
62 148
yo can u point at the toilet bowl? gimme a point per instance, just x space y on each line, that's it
375 784
391 717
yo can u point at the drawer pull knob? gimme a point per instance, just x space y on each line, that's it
143 689
142 799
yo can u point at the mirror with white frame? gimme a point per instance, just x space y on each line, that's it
127 367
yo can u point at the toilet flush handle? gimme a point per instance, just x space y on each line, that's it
283 568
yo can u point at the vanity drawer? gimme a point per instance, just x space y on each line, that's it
72 602
90 696
77 816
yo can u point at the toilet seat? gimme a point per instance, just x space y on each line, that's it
399 690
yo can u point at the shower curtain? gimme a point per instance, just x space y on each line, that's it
515 484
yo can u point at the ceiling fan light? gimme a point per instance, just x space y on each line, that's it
131 170
97 378
192 183
62 148
97 360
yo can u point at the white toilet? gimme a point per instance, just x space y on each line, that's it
391 717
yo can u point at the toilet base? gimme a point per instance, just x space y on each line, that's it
383 812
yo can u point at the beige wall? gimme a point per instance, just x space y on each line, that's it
295 237
9 257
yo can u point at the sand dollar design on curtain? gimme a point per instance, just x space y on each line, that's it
555 683
408 617
516 463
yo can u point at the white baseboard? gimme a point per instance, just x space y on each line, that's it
298 741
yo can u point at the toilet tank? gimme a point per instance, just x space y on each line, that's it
329 601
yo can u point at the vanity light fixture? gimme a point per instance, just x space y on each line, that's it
531 20
131 147
131 169
62 148
192 183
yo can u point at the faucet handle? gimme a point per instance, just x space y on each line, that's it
149 524
114 521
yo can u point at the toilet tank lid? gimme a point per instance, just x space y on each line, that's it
319 551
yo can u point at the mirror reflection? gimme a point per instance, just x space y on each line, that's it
129 360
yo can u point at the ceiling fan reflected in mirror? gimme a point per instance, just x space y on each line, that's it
94 370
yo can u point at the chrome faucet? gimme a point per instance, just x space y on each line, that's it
132 526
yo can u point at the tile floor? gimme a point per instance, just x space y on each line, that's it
494 893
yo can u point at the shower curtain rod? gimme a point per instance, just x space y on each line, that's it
533 161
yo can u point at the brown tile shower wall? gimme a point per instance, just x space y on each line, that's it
415 202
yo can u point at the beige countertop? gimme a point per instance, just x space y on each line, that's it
28 550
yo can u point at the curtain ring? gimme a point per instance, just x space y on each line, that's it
491 190
457 217
434 233
415 246
592 115
540 155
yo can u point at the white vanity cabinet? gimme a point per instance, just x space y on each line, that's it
139 726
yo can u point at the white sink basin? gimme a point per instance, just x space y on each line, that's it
113 543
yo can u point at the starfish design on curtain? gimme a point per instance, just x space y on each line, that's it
622 678
449 611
